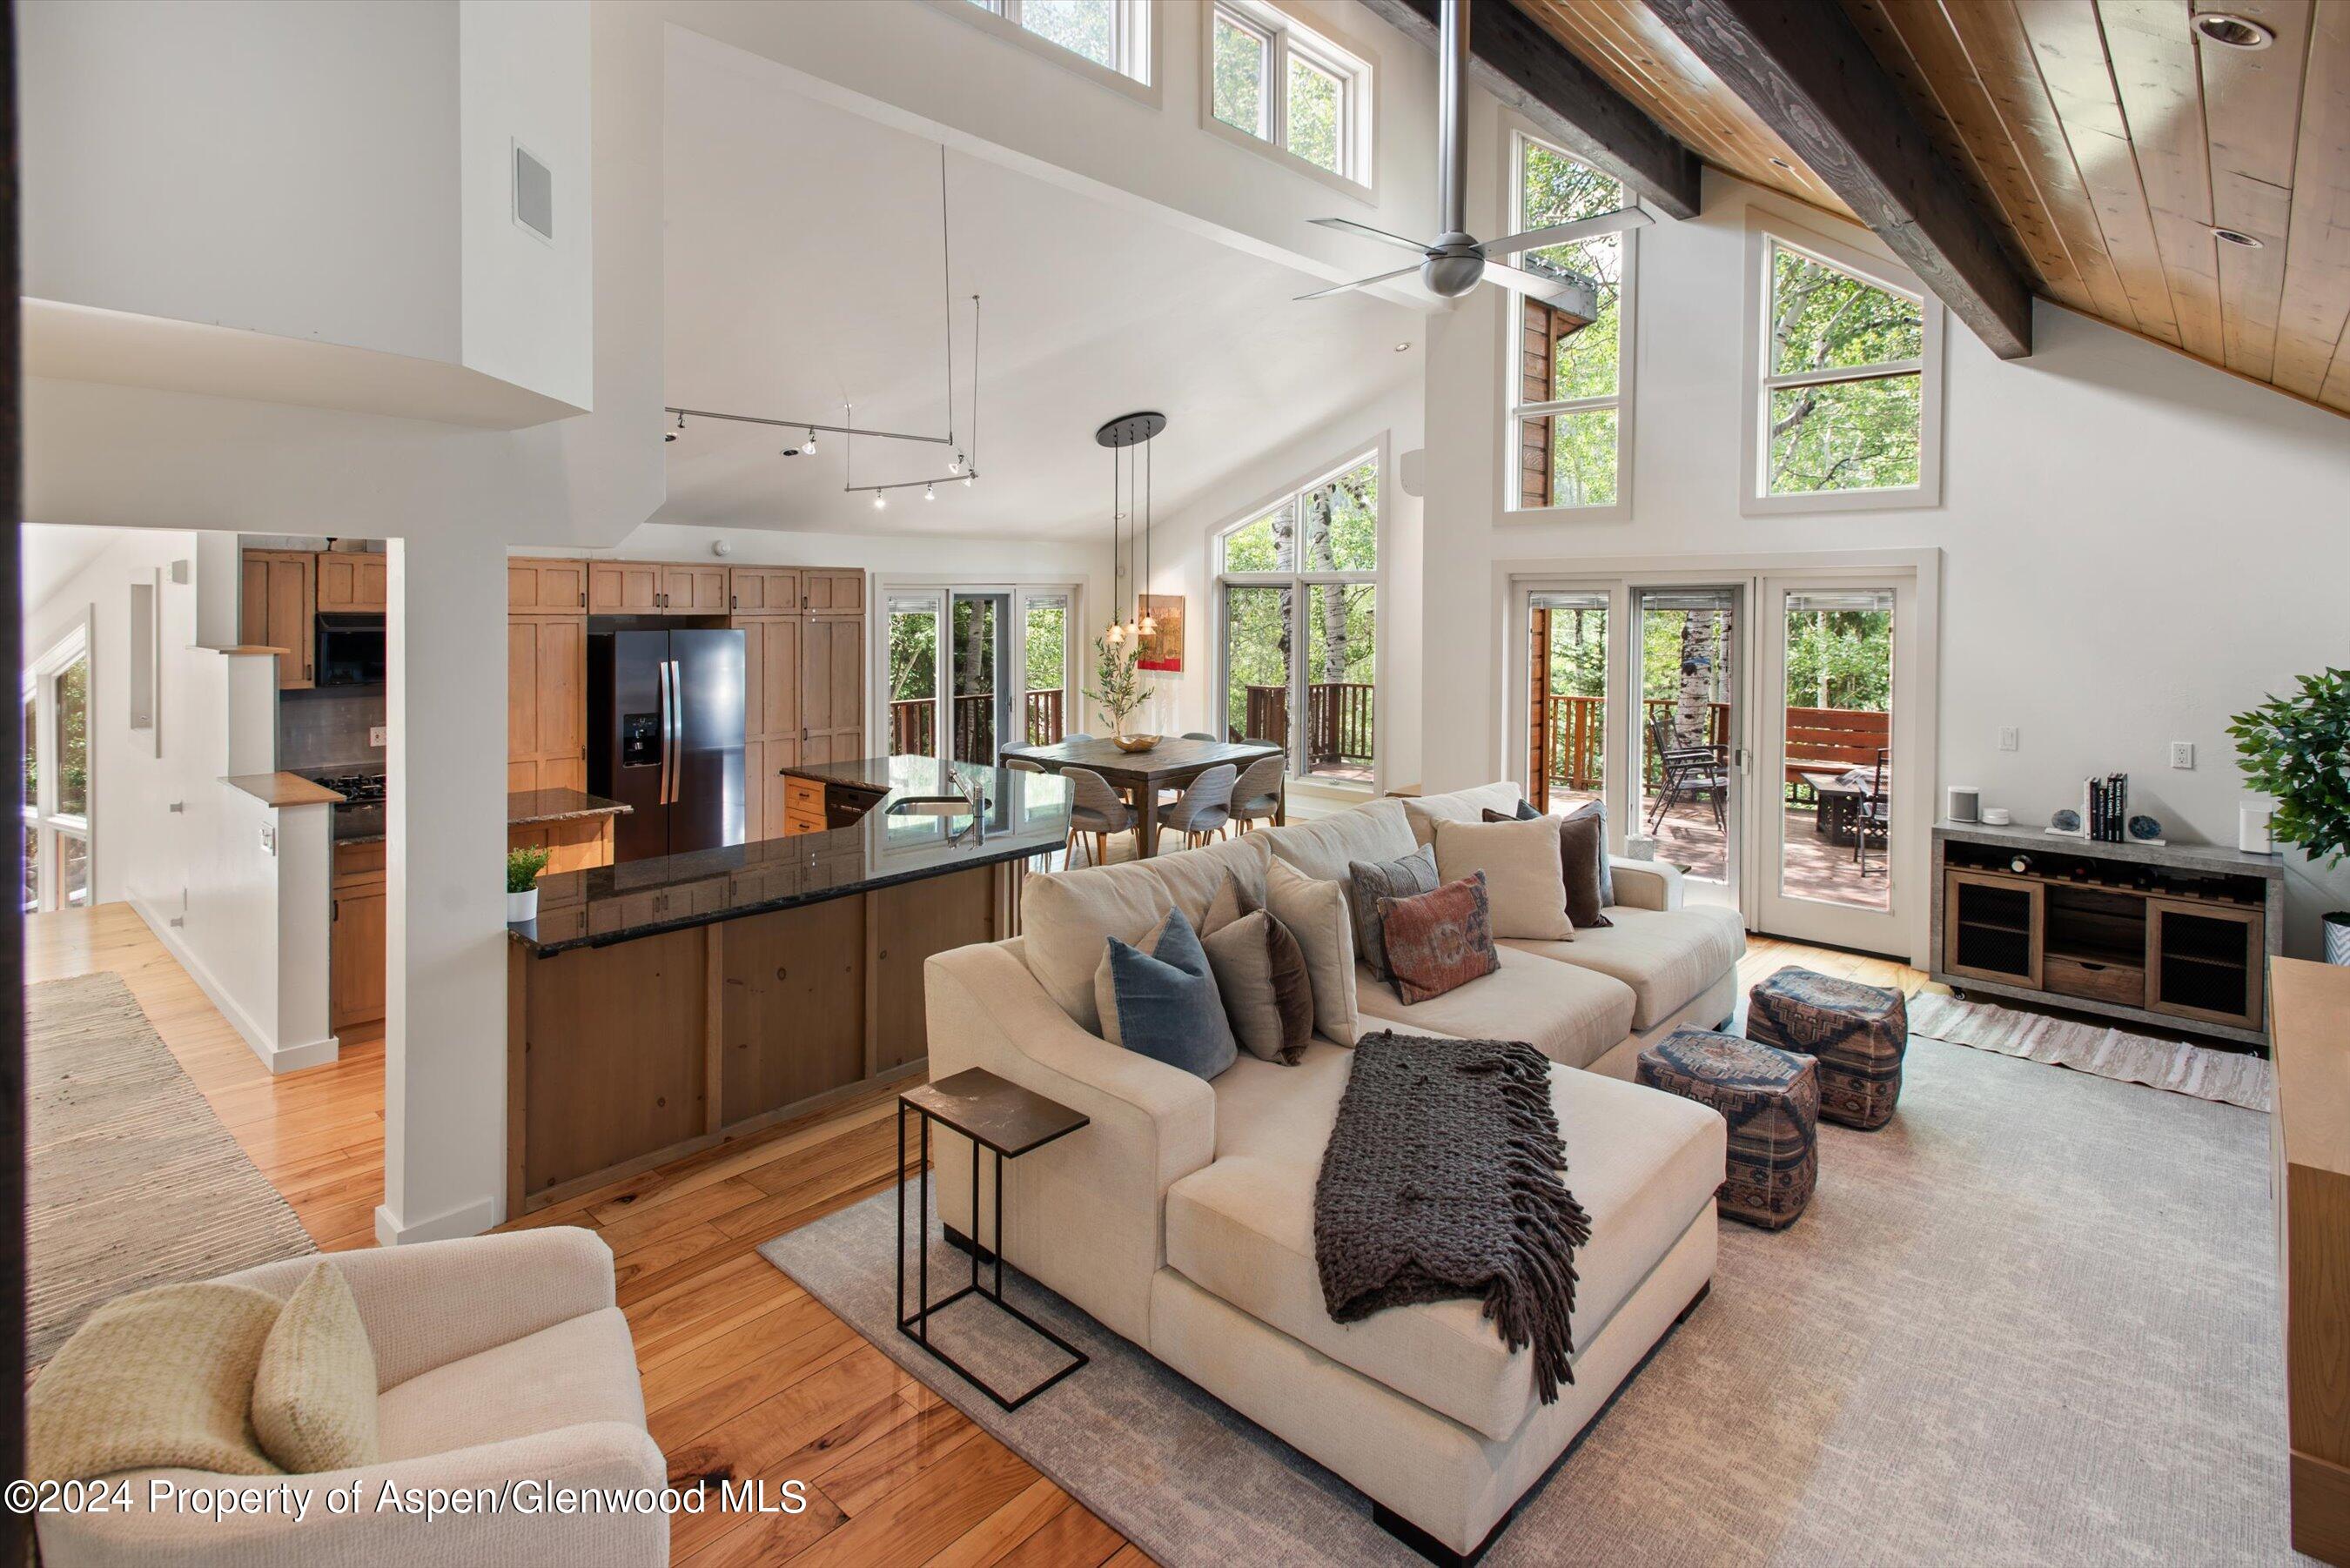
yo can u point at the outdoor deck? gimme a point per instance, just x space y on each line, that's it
1817 868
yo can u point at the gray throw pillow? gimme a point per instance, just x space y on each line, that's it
1160 999
1582 860
1368 882
1261 973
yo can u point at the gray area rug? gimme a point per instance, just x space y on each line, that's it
2236 1077
133 1181
2033 1320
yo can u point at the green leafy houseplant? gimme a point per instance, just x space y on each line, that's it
2297 750
1121 689
523 867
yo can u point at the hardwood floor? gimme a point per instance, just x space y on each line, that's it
745 1375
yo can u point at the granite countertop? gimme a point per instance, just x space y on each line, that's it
283 789
881 775
528 808
1027 813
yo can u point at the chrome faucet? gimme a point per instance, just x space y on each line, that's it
974 789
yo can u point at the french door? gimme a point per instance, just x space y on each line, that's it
1765 732
968 670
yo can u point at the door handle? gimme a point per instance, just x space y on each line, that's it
676 729
661 792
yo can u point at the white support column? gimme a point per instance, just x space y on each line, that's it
445 941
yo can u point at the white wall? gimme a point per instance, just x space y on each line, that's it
2135 545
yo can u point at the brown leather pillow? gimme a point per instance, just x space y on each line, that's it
1438 941
1581 859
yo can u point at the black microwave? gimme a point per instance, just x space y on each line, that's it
351 650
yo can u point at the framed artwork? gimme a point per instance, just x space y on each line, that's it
1163 649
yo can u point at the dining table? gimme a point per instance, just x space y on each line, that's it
1173 762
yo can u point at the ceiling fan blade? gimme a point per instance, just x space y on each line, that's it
1370 232
1359 282
1565 233
1576 298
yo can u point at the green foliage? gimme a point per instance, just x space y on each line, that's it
913 656
1118 690
523 867
2297 750
1851 435
1080 26
73 739
1840 658
1555 189
1314 99
1240 57
1047 646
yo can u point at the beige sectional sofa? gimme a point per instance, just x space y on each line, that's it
1182 1218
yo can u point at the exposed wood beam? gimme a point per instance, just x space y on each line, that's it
1512 58
1804 67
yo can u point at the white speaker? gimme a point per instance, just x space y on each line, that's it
1965 803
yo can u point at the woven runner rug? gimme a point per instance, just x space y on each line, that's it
133 1180
2232 1077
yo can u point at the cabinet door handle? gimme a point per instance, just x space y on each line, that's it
336 905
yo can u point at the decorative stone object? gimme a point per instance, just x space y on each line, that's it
1858 1031
1770 1098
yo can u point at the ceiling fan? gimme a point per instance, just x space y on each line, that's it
1458 262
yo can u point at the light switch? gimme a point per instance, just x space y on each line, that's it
379 735
268 840
2009 740
2182 754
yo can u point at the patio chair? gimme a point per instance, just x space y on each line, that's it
1257 794
1206 807
1690 772
1875 815
1093 808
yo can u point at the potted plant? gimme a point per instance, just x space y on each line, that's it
523 867
1122 690
2296 749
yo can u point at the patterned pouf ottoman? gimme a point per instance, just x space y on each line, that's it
1858 1031
1770 1099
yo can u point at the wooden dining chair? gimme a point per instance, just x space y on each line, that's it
1205 808
1096 809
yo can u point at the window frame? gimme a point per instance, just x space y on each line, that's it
51 827
1378 454
1134 42
937 592
1766 232
1355 67
1515 413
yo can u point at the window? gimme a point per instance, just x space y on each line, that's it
1276 83
1112 33
1297 607
969 670
57 776
1570 381
1845 366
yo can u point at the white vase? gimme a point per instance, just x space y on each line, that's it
522 906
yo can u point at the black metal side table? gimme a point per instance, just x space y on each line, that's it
998 1114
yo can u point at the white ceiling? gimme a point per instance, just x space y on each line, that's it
804 269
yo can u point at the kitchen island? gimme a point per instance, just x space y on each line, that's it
662 1006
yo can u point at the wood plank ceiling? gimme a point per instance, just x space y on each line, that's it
2104 139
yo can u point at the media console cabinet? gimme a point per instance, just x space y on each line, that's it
2176 935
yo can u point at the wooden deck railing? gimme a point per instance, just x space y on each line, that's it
1044 719
1819 740
1339 718
913 726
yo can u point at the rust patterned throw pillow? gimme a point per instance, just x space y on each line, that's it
1438 941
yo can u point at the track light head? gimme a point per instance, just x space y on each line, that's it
929 492
809 445
880 501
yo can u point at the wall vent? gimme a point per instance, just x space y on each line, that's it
533 195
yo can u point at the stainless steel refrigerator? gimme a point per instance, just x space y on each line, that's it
665 737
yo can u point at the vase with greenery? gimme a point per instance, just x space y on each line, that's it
2296 751
523 867
1117 689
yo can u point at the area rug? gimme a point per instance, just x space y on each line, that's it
2234 1077
133 1181
2033 1320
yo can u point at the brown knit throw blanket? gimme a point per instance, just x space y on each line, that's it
1444 1179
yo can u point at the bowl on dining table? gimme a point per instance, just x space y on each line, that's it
1135 742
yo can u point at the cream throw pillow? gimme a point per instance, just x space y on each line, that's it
159 1379
1521 863
1315 914
314 1392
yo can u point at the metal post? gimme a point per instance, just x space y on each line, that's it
1452 83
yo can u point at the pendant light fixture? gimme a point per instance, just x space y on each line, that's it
1123 435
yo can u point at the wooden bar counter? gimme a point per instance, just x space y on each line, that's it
2310 1179
660 1006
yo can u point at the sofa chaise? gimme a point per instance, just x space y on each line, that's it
1182 1218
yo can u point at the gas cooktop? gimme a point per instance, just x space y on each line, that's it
357 789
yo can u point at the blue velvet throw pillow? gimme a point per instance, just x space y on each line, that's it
1163 1002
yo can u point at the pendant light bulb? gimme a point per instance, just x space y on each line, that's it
1116 634
810 443
1150 626
880 501
967 479
928 494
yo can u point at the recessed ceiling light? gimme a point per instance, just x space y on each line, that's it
1401 347
2233 32
2237 237
1783 163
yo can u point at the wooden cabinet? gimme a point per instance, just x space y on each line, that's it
2309 1182
278 609
354 949
765 590
359 584
546 587
579 843
625 587
832 593
1990 927
2203 961
547 702
832 688
803 805
693 590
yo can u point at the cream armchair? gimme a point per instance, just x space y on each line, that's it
504 1369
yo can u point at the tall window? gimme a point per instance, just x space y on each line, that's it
1045 651
1298 608
56 777
1113 34
1844 364
1288 87
1570 379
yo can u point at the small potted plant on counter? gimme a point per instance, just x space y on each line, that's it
2295 750
523 867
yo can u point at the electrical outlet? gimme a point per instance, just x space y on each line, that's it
2009 739
2182 754
269 841
379 735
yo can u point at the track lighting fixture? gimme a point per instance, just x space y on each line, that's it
672 435
967 479
879 500
808 445
928 494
